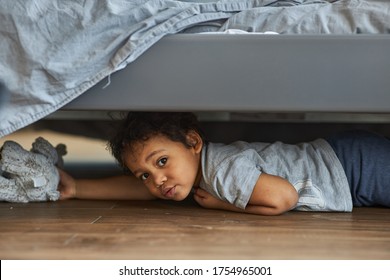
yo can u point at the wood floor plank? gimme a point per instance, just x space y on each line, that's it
169 230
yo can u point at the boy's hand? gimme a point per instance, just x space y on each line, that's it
66 186
206 200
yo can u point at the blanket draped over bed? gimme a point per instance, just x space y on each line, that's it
52 51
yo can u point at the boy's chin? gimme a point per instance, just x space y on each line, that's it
181 196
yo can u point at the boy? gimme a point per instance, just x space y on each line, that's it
169 155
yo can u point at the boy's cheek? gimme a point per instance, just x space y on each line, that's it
155 191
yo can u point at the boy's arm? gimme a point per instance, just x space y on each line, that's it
111 188
272 195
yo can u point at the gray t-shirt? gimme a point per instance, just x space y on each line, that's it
230 172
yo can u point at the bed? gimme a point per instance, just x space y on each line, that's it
204 56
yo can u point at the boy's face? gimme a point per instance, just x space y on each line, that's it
167 168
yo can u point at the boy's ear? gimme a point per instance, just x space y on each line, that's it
194 140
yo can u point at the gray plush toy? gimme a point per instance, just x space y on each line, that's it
30 175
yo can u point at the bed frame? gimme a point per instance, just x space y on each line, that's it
251 73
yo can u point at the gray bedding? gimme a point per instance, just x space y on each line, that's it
53 51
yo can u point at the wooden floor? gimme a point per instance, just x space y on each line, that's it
171 230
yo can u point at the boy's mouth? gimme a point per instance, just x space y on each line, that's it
169 192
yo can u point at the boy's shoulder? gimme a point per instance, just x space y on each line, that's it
225 150
215 154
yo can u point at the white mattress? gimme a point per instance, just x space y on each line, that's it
320 73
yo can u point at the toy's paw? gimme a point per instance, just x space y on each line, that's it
53 195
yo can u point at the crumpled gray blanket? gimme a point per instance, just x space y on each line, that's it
52 51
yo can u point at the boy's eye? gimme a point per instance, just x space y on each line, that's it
144 176
161 162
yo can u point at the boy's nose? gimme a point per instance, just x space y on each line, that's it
159 179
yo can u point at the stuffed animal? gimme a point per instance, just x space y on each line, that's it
30 175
